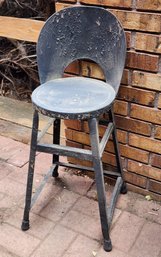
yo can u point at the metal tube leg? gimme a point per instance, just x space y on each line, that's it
25 223
56 140
116 147
97 164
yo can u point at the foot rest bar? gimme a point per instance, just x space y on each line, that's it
90 169
65 151
106 137
40 188
114 198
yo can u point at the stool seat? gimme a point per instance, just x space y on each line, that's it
73 98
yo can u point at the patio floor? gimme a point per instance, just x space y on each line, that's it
65 221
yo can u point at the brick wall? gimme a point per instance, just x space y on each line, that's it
138 105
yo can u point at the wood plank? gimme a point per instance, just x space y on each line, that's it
20 28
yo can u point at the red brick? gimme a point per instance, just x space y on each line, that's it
149 5
145 143
142 61
136 95
140 21
73 68
146 80
128 39
156 160
144 170
122 136
79 162
120 107
133 125
73 144
133 153
125 77
159 101
155 186
91 69
77 136
83 138
157 132
129 152
73 124
145 113
148 42
135 179
109 158
110 3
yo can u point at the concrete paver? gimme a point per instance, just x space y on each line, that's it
60 205
16 241
114 253
39 226
65 219
12 188
148 242
82 246
83 224
56 243
124 235
5 253
76 183
6 169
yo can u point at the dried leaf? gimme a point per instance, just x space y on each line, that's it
94 253
148 197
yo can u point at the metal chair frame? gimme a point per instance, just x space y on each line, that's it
53 58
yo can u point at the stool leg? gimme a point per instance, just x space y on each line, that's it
56 140
25 223
97 164
117 152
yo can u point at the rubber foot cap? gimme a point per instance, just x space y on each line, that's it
55 173
123 189
107 245
25 225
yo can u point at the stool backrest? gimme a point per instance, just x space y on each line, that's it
82 32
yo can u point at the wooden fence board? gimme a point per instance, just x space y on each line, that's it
20 28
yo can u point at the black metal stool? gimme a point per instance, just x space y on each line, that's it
79 32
